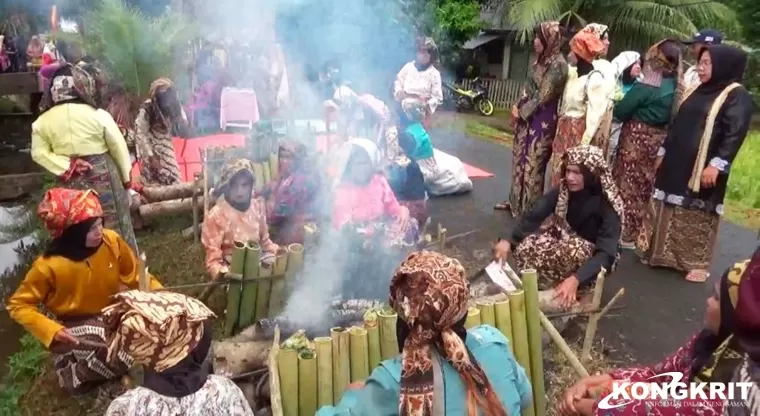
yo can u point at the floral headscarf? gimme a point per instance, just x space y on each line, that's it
77 86
295 150
231 170
157 120
157 329
62 208
429 292
747 326
592 158
656 64
586 45
599 30
552 38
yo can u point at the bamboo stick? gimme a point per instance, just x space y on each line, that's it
359 354
487 313
262 295
277 291
142 272
307 383
204 170
473 318
258 177
274 165
323 347
535 344
251 271
388 342
168 192
196 210
504 320
373 342
520 331
274 374
234 290
340 359
612 301
287 366
593 320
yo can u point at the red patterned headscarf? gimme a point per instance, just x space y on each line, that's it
587 45
429 292
747 325
62 208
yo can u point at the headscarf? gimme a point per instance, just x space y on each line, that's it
551 38
599 30
625 60
591 158
429 292
747 325
728 66
61 208
157 119
157 329
428 44
297 151
714 357
35 47
586 45
229 172
70 84
357 144
657 64
72 243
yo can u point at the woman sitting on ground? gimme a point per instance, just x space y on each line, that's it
581 237
712 355
291 198
407 181
82 146
237 216
177 380
364 199
477 372
81 268
153 134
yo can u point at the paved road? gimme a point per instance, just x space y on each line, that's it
662 308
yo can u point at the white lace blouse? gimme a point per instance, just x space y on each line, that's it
425 84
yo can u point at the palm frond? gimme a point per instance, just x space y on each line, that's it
524 15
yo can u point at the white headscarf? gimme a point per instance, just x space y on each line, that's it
344 154
625 60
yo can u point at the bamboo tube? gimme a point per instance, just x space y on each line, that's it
340 359
234 290
504 320
168 192
487 313
258 177
277 291
310 235
520 333
262 294
373 342
323 347
307 383
267 172
535 344
274 165
287 368
473 318
167 208
251 271
294 266
359 354
388 342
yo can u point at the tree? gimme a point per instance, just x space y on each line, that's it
634 24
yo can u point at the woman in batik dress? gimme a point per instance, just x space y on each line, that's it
681 227
153 134
645 111
420 80
585 112
572 232
81 268
83 147
710 356
170 335
535 118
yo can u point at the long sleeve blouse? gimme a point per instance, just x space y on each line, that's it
587 96
426 83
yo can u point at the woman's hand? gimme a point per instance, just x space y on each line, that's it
356 385
501 251
403 218
657 163
65 338
710 176
567 406
515 113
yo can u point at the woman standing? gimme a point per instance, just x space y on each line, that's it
535 118
695 164
645 111
586 99
628 66
83 146
153 134
420 80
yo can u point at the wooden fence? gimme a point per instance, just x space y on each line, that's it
503 92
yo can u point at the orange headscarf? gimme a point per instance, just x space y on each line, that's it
62 208
586 45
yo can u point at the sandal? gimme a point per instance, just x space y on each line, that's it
502 206
698 276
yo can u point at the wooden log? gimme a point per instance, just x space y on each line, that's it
234 358
274 375
168 192
167 208
596 303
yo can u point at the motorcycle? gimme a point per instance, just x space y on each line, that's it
476 98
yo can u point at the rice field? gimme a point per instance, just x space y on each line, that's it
743 196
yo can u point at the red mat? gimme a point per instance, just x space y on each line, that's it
189 155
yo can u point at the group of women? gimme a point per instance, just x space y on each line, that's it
670 147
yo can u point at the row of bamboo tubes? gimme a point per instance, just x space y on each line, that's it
310 380
257 291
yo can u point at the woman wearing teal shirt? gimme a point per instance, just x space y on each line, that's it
443 369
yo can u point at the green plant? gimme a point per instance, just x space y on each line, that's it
23 368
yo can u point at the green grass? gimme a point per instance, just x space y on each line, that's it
743 195
23 368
